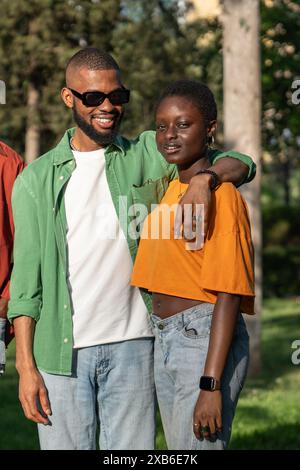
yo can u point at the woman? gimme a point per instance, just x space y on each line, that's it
201 341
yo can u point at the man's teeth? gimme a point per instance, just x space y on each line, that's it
104 120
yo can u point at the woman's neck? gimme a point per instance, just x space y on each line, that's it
186 173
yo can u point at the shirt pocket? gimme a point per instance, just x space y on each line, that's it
197 328
151 192
144 200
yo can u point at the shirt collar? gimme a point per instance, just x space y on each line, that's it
63 153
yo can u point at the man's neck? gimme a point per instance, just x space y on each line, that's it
82 143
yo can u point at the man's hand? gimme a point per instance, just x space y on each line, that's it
3 308
198 193
208 414
9 333
32 392
228 170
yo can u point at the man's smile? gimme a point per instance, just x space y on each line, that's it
104 121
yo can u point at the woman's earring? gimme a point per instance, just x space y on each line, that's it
210 140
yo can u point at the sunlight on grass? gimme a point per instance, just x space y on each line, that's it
268 415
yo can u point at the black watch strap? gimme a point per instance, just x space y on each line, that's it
209 383
215 179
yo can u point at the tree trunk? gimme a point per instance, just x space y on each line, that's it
32 139
242 110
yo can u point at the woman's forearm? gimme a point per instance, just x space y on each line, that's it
222 329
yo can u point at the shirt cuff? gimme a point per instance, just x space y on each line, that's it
243 158
28 308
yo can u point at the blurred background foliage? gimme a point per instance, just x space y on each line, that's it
155 43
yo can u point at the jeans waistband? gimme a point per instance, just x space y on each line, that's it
181 318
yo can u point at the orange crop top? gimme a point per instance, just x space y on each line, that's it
223 264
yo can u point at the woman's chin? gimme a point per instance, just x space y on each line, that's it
174 159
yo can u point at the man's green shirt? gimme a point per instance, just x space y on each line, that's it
136 172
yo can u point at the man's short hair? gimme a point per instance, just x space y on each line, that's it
93 58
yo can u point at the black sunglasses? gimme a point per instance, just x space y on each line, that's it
95 98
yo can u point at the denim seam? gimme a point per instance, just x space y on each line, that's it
165 365
102 425
235 363
99 375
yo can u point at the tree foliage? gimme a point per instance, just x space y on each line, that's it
154 45
280 67
150 39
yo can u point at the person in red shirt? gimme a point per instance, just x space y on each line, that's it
11 165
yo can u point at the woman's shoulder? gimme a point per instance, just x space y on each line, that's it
226 189
226 194
229 206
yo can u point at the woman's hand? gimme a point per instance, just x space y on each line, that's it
208 414
195 203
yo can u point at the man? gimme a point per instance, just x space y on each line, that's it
71 302
11 165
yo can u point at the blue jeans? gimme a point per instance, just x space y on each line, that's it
2 345
113 386
180 350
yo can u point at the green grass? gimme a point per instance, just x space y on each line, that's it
16 432
268 414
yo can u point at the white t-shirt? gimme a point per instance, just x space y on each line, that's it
106 308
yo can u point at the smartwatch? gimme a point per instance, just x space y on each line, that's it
209 383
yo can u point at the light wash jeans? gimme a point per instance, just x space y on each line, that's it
113 386
180 350
2 345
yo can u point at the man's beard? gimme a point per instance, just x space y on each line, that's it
101 139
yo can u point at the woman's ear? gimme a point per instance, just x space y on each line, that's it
212 127
211 130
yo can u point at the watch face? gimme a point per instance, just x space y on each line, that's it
207 383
